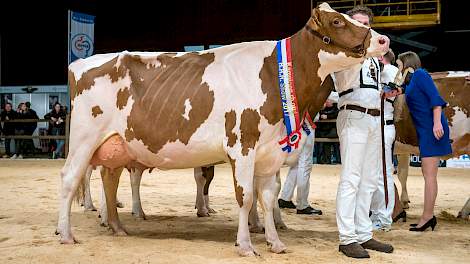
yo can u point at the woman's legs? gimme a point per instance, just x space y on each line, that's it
429 166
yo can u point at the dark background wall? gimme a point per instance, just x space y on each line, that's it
34 33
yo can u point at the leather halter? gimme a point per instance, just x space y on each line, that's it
327 40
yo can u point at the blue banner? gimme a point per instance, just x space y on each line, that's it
81 35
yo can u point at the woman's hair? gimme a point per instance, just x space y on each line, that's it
57 103
410 59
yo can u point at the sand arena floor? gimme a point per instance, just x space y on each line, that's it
174 234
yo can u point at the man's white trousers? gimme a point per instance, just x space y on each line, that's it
359 136
300 175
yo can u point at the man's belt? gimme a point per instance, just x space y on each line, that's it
372 112
389 122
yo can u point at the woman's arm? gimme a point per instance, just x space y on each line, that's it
437 128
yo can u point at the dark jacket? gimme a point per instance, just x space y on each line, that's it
328 130
53 125
8 128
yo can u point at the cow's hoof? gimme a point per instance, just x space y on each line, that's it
203 214
119 204
247 251
90 209
68 240
210 210
257 229
119 231
277 247
140 215
281 226
104 224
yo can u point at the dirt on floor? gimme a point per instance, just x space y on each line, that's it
173 233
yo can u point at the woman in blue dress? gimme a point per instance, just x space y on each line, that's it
425 106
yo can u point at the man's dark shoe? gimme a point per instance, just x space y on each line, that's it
286 204
377 246
354 250
310 210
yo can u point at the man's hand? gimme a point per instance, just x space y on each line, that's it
53 119
323 116
392 93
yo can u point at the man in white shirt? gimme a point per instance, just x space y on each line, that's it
381 214
358 126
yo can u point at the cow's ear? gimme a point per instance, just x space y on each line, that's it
316 17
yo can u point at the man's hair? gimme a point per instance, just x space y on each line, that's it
390 56
28 104
360 9
410 59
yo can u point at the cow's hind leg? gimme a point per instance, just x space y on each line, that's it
136 177
88 202
253 219
465 212
208 173
200 182
243 170
403 167
72 174
266 187
110 178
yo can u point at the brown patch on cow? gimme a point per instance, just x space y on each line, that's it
461 145
88 78
122 97
250 133
238 189
96 110
230 121
159 94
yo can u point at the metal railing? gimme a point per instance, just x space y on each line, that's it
41 137
395 13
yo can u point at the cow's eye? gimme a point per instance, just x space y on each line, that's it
338 22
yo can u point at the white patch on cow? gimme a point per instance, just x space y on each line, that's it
330 62
111 120
80 66
458 73
460 124
187 109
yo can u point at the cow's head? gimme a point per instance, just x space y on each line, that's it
344 41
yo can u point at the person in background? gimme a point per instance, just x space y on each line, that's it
30 127
57 128
381 214
425 105
21 113
8 128
328 152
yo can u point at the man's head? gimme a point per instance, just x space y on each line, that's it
361 14
28 104
388 58
8 107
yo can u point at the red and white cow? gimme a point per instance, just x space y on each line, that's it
454 87
185 110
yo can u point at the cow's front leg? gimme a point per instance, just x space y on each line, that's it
88 202
136 177
243 169
110 180
266 187
277 212
200 203
403 167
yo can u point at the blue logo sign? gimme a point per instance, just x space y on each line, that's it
82 46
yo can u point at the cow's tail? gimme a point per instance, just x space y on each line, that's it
80 194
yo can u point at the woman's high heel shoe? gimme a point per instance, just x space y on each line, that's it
400 215
430 223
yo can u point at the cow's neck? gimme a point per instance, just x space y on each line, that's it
310 94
